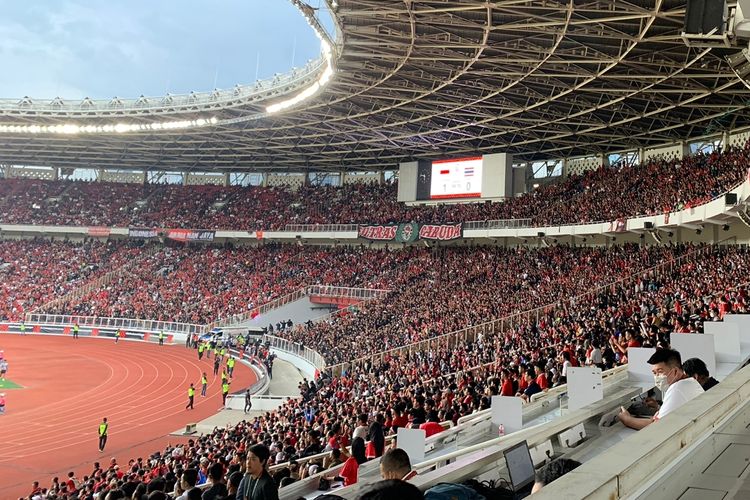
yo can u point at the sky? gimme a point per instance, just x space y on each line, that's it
127 48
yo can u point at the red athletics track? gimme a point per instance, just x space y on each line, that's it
50 426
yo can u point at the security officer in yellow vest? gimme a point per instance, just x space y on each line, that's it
191 397
103 428
76 328
161 337
224 392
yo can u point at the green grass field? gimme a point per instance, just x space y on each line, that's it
9 384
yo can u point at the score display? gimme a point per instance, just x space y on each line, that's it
459 178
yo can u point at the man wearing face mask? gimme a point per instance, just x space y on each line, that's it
677 388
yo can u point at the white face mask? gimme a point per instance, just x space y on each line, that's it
661 382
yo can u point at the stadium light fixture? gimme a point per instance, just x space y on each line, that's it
325 76
117 128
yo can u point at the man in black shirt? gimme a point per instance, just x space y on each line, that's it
696 368
257 483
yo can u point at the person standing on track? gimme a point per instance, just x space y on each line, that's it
23 328
248 401
191 397
201 348
224 392
2 403
3 368
230 366
161 337
103 429
217 362
76 328
204 384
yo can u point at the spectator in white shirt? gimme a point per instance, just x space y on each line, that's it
672 381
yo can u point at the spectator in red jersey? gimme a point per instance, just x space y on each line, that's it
432 426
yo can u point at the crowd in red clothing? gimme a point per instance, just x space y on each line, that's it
651 188
456 381
33 272
446 382
442 290
202 284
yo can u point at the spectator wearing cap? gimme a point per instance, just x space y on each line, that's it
257 483
676 386
696 368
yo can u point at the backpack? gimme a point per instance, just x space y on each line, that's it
450 491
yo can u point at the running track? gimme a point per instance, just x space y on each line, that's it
50 427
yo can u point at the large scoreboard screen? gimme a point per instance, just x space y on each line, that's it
459 178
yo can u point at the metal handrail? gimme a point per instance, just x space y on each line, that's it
498 224
320 228
321 290
273 304
296 349
127 323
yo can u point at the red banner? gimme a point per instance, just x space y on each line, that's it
442 232
99 231
386 233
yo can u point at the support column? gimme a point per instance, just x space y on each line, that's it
604 160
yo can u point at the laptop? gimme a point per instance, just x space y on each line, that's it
520 468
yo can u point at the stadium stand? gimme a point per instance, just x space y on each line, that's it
654 187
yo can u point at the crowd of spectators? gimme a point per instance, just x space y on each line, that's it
437 383
450 382
446 289
653 187
33 272
198 284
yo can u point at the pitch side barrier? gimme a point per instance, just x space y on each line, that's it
66 329
472 433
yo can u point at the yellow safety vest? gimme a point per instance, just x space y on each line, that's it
103 429
191 392
225 388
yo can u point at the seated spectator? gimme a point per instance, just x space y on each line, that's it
351 467
218 489
673 383
432 426
553 470
395 464
390 490
532 386
189 480
696 368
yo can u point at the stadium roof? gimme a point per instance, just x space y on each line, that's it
426 79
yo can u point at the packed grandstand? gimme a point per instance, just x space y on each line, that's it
585 299
442 325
